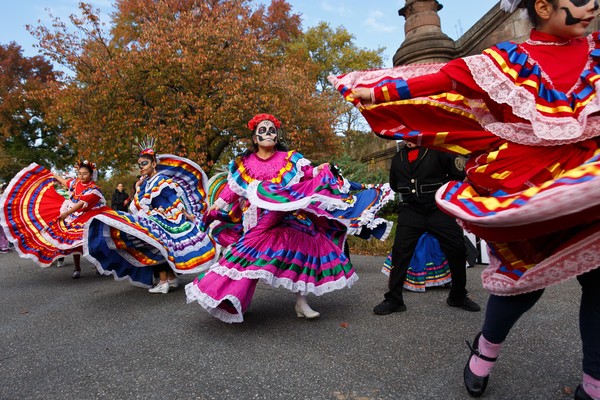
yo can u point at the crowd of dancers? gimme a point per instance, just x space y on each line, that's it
276 218
526 116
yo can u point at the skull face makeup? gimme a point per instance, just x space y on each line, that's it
566 19
572 20
266 131
581 3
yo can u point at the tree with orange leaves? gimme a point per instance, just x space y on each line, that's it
25 135
189 73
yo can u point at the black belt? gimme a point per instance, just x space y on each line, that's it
425 188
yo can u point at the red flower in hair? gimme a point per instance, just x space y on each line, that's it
258 118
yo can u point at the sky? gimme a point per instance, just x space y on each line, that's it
373 23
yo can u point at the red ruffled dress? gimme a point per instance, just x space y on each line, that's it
526 115
30 210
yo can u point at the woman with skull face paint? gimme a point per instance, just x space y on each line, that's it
527 116
43 224
163 233
289 237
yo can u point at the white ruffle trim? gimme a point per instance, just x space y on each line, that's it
301 287
577 259
148 240
242 192
193 293
146 203
374 224
325 202
221 203
370 78
369 217
544 130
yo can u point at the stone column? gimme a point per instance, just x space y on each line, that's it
424 40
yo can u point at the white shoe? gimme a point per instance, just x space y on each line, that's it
303 310
162 287
60 263
173 282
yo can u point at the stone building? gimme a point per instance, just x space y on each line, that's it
426 43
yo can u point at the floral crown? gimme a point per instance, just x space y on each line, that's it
258 118
86 163
147 146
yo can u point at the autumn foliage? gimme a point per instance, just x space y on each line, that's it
190 73
26 137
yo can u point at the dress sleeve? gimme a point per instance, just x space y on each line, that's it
454 76
309 172
228 196
90 199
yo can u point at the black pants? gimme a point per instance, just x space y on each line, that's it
503 311
412 223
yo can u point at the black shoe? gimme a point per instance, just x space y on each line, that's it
580 394
466 304
475 384
388 306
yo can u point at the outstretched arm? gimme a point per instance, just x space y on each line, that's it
226 197
400 89
60 180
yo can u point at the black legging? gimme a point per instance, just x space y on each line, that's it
503 311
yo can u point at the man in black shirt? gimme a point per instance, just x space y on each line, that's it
120 199
416 173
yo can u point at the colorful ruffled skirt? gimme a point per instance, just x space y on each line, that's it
537 237
297 251
361 218
128 246
30 210
534 199
428 266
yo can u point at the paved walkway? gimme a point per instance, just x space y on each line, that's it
95 338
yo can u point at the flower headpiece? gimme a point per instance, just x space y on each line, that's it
258 118
90 165
147 146
511 5
86 163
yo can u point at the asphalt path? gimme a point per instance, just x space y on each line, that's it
95 338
